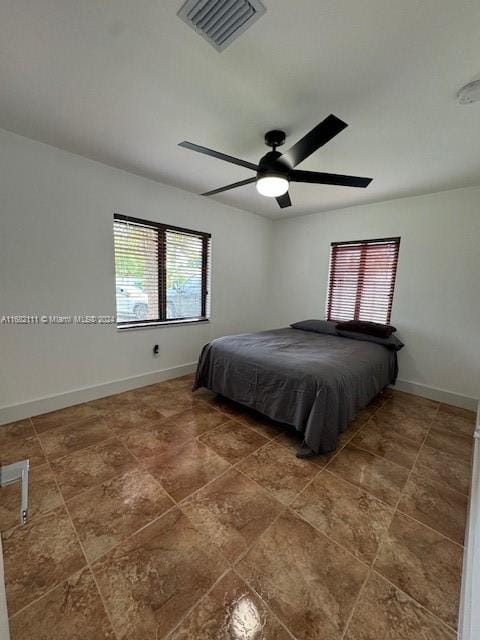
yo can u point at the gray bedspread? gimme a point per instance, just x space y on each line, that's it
314 382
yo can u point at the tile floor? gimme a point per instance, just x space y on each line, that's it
158 513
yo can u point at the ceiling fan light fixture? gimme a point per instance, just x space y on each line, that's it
272 186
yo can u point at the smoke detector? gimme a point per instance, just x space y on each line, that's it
469 93
220 22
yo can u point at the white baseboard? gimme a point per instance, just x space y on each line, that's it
440 395
85 394
469 618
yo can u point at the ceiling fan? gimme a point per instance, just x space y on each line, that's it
275 170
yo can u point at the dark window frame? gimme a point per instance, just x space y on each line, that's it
331 275
161 229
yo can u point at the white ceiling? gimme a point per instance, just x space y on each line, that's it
124 81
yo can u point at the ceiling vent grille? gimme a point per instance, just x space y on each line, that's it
221 21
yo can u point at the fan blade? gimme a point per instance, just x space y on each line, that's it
217 154
314 139
284 201
317 177
229 186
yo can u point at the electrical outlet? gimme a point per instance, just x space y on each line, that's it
156 351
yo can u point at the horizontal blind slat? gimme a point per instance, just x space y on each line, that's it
362 279
162 273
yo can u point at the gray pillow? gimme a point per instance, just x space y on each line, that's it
318 326
392 342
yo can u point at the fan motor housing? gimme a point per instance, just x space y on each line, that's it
272 164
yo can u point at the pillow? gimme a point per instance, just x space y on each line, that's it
370 328
318 326
392 342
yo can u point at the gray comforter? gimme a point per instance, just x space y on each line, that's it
314 382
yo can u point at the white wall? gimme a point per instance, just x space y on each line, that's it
436 306
56 257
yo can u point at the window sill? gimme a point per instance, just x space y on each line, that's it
155 325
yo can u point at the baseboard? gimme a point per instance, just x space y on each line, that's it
85 394
440 395
469 618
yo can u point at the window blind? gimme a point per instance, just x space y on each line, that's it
161 272
362 279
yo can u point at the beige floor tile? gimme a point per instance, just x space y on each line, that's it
62 441
116 459
231 611
123 505
380 477
73 611
70 415
186 468
386 443
155 439
135 415
456 422
459 412
435 505
400 408
13 430
43 496
346 514
444 468
21 448
385 613
38 556
278 471
412 428
234 441
151 580
86 468
261 423
449 442
296 570
232 512
424 564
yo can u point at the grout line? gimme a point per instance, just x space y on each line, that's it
422 606
437 483
367 577
359 487
267 491
382 541
377 455
46 593
191 609
79 543
265 603
99 416
384 537
407 515
366 564
246 551
285 508
90 446
91 570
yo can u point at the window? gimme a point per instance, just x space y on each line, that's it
362 279
161 273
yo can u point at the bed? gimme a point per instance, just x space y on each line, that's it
316 382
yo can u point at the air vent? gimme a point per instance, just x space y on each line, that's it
220 22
